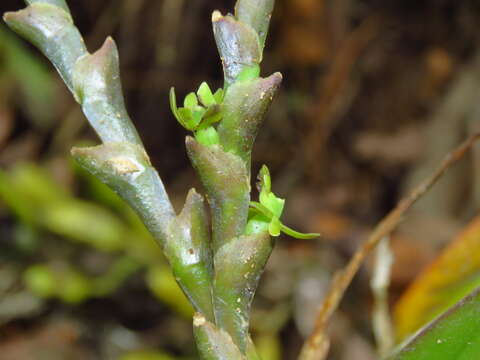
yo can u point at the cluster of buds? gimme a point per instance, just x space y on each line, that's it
199 113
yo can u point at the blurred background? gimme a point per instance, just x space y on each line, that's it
375 94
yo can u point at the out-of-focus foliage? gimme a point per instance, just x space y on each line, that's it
30 76
43 206
455 273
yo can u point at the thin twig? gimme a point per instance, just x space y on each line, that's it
314 347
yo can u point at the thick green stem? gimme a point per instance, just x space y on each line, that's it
225 178
214 343
244 108
219 272
121 162
257 14
238 267
189 253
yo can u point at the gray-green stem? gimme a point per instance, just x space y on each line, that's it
217 268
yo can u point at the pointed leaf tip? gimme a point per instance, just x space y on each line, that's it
237 44
97 86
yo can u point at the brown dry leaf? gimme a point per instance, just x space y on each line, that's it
445 281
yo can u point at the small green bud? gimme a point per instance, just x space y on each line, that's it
267 198
266 213
193 116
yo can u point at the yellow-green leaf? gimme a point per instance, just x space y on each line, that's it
454 273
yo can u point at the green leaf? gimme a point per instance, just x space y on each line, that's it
197 115
454 273
173 105
205 95
453 336
218 96
212 116
191 101
186 118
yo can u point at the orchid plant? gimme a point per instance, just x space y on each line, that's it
218 266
